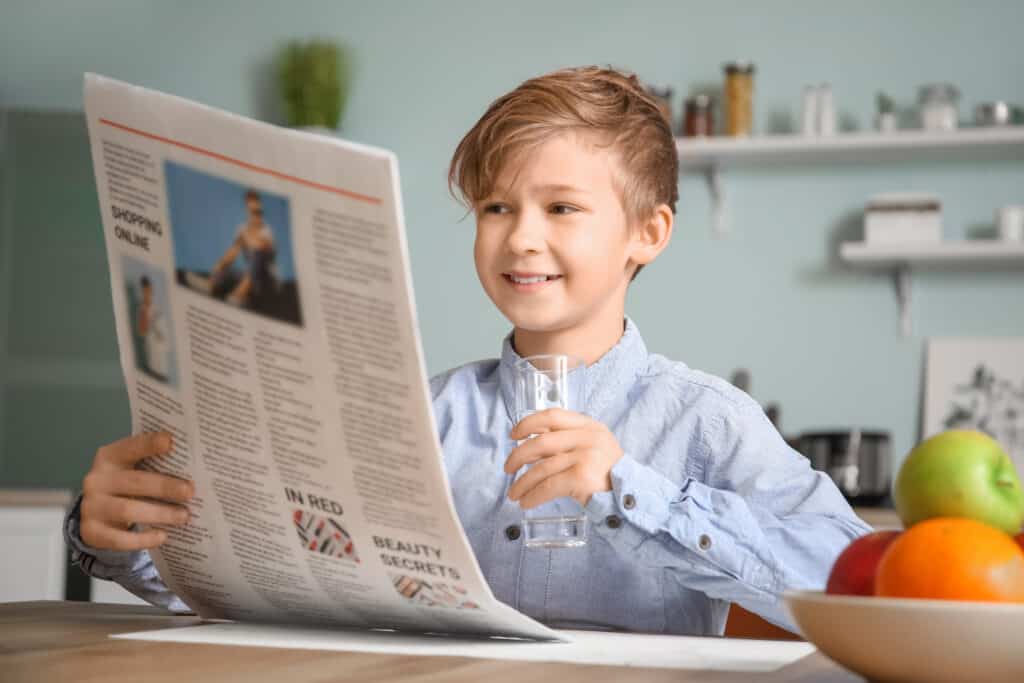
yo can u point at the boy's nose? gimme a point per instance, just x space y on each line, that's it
528 234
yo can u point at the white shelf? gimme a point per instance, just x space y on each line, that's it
966 144
901 258
710 155
940 255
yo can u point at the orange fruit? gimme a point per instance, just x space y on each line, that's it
952 558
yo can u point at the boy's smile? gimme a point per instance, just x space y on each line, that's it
529 282
554 248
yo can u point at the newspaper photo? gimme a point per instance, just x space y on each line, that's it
265 318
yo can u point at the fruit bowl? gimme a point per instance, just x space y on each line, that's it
910 640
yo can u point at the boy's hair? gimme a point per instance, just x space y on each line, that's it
608 106
252 194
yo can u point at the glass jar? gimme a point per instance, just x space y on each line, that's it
699 116
739 98
938 103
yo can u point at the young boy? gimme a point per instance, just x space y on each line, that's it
693 499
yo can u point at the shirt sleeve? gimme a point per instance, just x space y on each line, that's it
134 570
762 521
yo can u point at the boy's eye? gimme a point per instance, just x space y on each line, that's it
495 208
563 209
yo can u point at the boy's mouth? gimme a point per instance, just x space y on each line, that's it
529 282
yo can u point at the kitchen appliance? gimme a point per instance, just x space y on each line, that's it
859 461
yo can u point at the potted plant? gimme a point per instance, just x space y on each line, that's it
313 79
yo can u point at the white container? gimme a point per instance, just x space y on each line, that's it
809 112
885 122
939 110
1010 222
826 110
903 218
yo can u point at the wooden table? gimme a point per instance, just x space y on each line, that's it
67 641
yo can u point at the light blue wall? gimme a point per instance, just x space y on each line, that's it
821 341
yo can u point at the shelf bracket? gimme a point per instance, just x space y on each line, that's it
719 226
901 281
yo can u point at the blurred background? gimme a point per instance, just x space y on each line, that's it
766 291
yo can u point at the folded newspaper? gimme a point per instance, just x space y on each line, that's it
265 318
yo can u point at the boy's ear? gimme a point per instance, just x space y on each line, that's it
652 236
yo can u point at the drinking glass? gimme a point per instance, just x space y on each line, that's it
542 382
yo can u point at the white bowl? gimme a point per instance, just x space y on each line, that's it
910 640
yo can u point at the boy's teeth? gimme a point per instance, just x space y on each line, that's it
529 280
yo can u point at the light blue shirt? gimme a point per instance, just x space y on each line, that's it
709 505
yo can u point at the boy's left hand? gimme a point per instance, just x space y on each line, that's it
574 456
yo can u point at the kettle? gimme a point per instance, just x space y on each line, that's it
858 461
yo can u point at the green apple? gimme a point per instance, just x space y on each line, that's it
960 473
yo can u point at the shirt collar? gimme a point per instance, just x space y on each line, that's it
613 372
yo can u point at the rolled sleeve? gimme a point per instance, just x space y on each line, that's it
102 564
650 506
134 570
764 522
639 493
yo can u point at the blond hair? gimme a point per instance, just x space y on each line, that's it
608 106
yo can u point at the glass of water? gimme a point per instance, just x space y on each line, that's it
542 382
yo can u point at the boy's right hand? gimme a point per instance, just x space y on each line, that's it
115 495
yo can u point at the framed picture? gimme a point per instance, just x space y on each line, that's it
977 384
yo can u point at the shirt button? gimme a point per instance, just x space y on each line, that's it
704 541
628 501
613 521
512 532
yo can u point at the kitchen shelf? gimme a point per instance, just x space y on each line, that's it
901 258
710 155
941 255
967 144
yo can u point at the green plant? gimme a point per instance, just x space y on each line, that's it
313 78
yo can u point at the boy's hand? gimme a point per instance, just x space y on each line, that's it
115 495
572 455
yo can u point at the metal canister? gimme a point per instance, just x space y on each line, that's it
739 98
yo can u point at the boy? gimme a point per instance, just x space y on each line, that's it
693 499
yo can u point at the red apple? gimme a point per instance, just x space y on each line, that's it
855 568
1020 539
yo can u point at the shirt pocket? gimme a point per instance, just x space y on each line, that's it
618 592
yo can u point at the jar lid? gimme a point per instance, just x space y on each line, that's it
700 100
739 67
939 91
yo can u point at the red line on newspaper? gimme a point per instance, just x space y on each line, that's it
238 162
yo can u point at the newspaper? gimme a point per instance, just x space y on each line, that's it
265 318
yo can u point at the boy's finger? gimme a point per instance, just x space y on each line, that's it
106 537
127 511
558 485
539 472
130 450
150 485
550 420
541 446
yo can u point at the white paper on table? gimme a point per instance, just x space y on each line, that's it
587 647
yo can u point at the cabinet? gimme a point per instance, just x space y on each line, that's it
32 541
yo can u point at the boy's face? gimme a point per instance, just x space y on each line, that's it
559 215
